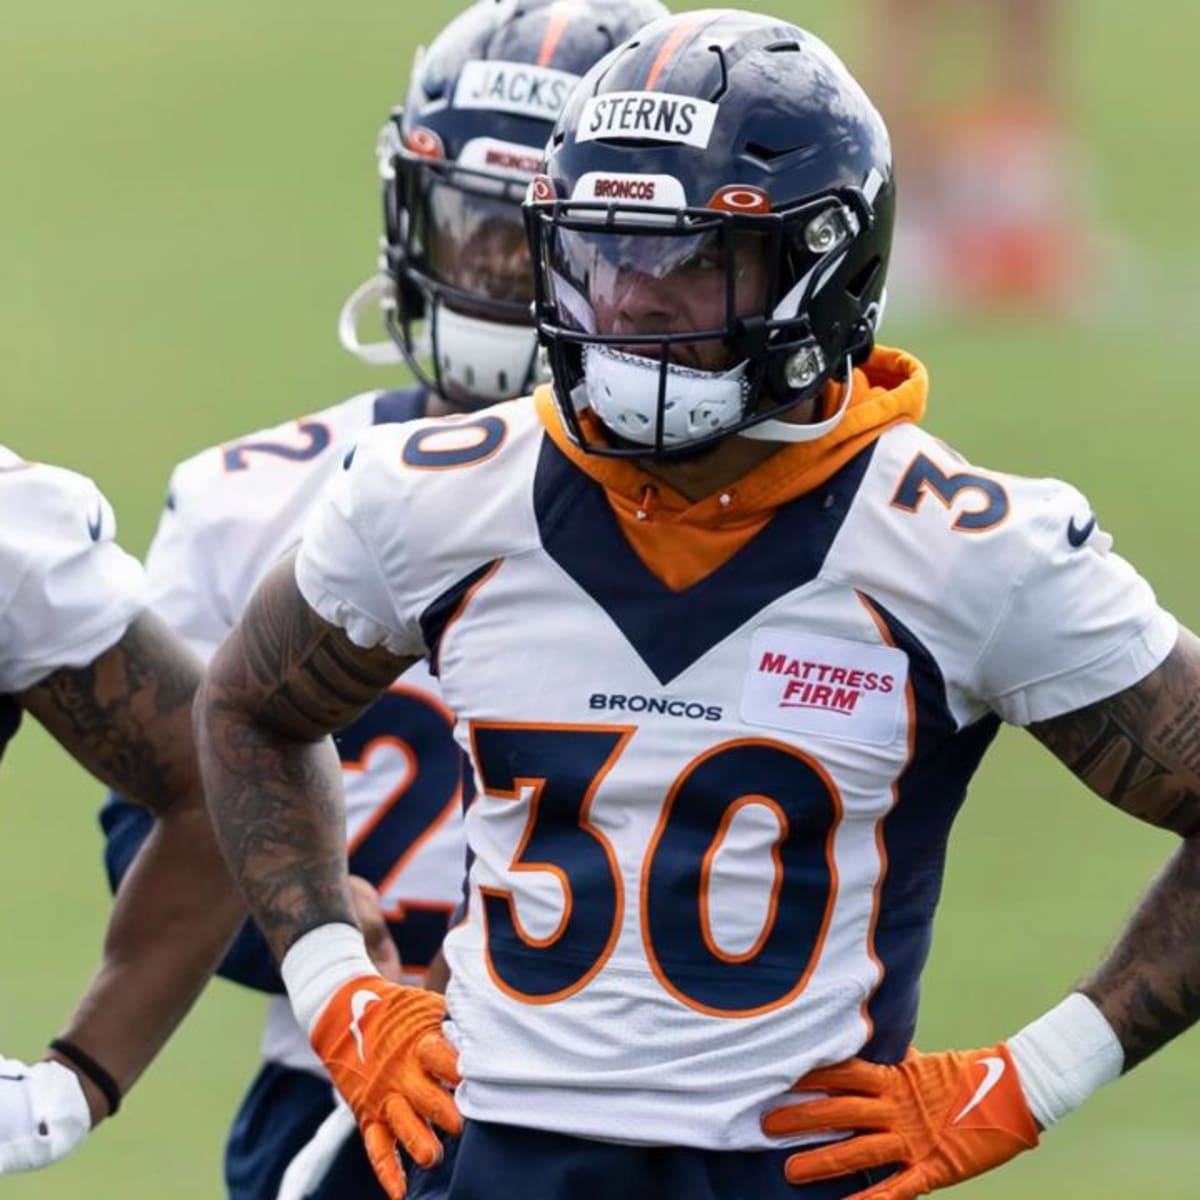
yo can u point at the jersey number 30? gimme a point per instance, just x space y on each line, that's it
560 768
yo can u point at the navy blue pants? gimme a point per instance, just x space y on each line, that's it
279 1115
503 1162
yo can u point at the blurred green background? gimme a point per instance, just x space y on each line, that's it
188 192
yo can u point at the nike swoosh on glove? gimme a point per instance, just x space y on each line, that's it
941 1118
384 1048
43 1114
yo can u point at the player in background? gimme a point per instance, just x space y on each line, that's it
726 633
79 653
455 162
996 206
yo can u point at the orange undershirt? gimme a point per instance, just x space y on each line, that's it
680 540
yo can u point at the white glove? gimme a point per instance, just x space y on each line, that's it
308 1169
43 1114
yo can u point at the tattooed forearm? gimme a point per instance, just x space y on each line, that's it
1140 750
127 716
283 681
1149 985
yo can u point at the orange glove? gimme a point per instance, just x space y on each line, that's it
384 1049
941 1118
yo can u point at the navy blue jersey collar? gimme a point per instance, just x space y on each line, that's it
403 404
671 630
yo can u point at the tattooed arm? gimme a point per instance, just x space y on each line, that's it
127 718
1140 750
282 682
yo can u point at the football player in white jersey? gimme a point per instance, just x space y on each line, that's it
456 161
726 634
79 653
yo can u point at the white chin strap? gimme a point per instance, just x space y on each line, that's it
486 359
622 390
776 430
368 298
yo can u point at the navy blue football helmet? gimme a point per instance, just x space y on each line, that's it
455 163
712 234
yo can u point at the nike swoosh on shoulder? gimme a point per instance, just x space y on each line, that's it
994 1068
1078 534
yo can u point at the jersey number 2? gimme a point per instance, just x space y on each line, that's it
403 822
316 438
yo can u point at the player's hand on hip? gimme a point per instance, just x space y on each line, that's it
384 1048
381 946
940 1118
43 1114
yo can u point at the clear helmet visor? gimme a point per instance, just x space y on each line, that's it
677 324
466 252
691 286
475 245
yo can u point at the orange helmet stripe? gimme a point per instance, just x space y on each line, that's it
683 30
560 18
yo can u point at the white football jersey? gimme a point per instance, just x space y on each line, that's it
710 821
232 512
68 592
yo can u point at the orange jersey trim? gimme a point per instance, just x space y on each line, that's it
910 703
463 605
682 541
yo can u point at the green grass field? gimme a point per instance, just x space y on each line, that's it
188 192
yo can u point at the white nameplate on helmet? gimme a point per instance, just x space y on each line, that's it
661 191
520 88
825 686
501 158
652 116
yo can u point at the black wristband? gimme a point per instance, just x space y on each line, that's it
90 1068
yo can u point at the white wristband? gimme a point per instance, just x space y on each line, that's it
318 964
1064 1056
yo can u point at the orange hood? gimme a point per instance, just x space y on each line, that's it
682 540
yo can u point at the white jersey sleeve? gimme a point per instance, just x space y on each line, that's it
232 511
183 573
1078 624
1007 581
338 569
390 536
68 592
